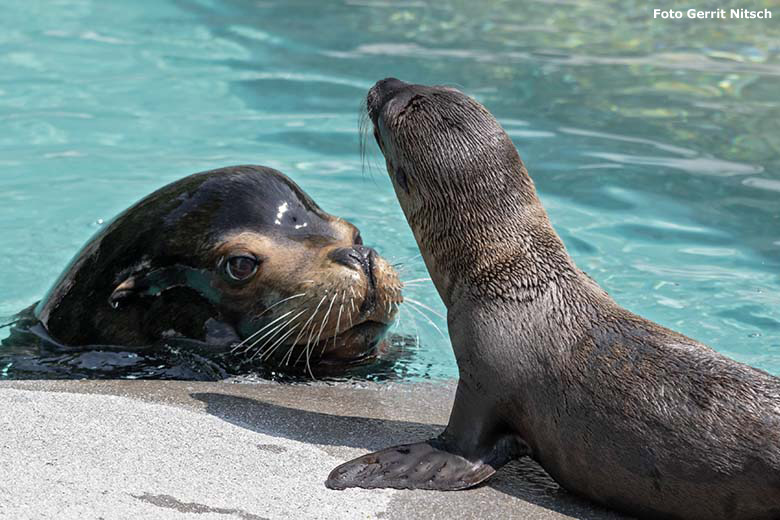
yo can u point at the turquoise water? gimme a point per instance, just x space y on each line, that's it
655 144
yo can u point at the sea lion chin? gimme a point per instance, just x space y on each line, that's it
614 407
236 259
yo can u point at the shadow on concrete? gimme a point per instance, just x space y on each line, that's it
523 479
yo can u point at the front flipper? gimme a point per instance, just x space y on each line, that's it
156 281
475 444
425 465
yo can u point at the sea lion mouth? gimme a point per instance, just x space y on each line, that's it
355 345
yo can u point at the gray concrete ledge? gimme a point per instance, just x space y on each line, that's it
164 449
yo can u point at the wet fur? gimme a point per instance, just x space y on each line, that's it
616 408
187 228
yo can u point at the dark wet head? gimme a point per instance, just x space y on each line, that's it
302 285
295 283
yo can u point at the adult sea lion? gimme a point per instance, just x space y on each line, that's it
238 258
614 407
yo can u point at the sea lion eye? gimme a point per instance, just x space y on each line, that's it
241 267
358 240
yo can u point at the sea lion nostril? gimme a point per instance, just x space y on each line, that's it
357 257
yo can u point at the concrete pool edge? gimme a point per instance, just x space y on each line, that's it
170 449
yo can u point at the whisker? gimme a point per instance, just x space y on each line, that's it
407 282
397 318
277 343
429 320
420 304
270 335
405 259
310 331
365 127
259 331
287 324
414 324
307 323
352 299
326 318
289 352
338 323
282 301
322 326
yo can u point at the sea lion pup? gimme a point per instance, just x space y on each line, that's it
614 407
236 258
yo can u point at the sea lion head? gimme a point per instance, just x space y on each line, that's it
462 185
438 141
240 248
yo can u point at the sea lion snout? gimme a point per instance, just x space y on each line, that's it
362 259
383 91
357 257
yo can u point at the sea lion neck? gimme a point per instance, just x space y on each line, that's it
465 192
491 237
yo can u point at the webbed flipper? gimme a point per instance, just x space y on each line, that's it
471 449
424 465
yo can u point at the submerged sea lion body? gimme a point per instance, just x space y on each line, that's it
234 256
616 408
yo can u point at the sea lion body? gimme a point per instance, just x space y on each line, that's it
234 256
614 407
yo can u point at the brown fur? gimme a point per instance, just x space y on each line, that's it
158 270
616 408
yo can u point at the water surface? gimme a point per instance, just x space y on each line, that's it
655 144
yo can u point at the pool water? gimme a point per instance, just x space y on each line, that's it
655 144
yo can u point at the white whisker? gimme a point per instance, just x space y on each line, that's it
269 335
420 304
286 324
407 282
319 334
259 331
414 324
306 325
429 320
338 321
271 349
282 301
306 347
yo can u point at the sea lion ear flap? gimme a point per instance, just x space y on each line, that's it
154 282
